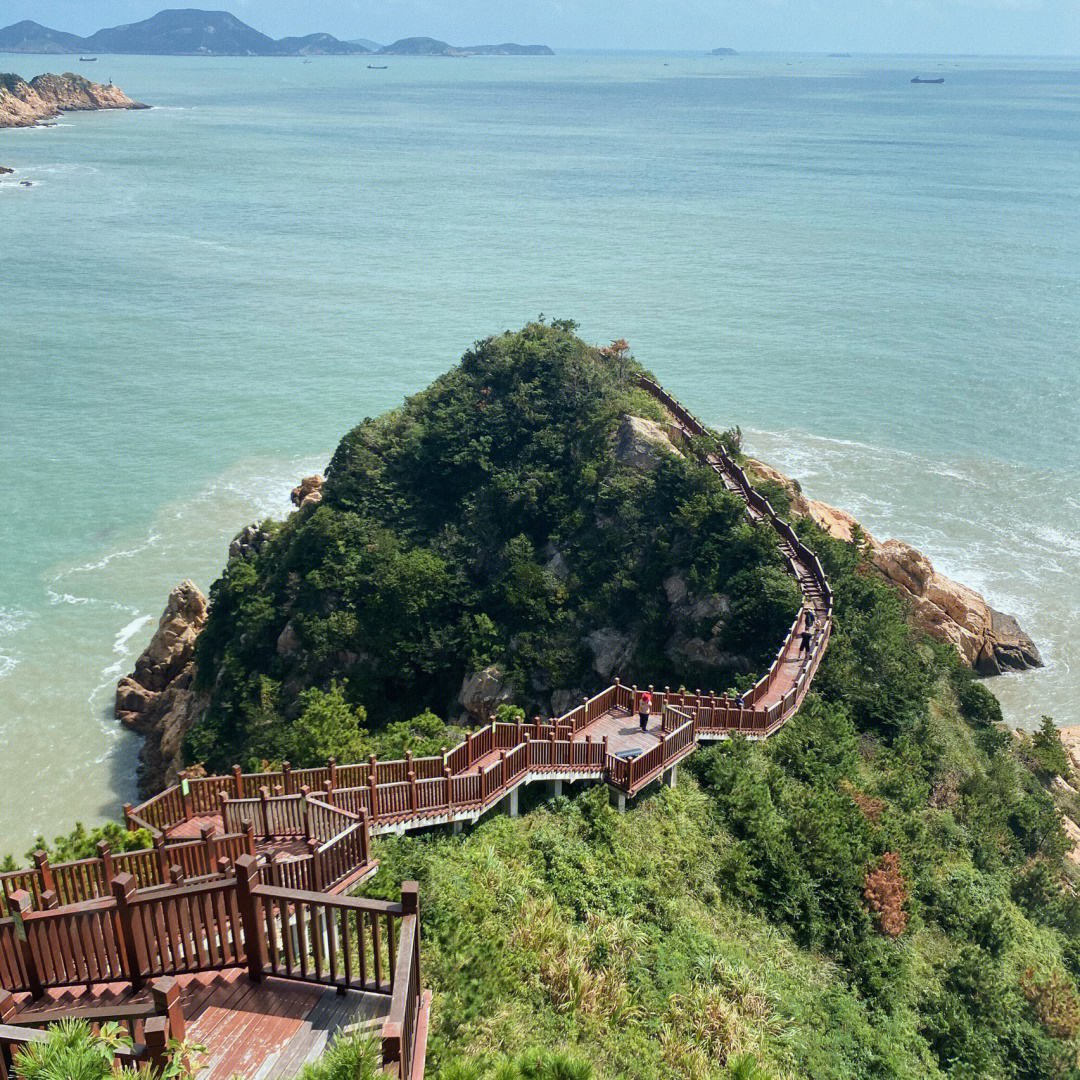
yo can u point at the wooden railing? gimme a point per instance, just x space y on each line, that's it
233 921
151 1025
61 884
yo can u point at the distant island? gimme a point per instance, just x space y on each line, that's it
194 32
723 52
426 46
28 104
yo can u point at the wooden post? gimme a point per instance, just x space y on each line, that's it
286 776
449 787
176 875
41 862
162 860
633 699
413 795
305 791
49 900
410 905
19 905
316 866
332 766
123 890
248 829
206 834
185 798
365 836
166 995
238 781
128 811
7 1006
107 870
264 796
225 866
247 879
156 1038
374 796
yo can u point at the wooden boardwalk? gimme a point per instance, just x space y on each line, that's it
262 1031
302 836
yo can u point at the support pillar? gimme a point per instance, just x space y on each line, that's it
669 778
458 827
556 788
512 803
618 799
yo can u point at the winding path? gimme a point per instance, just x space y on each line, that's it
599 740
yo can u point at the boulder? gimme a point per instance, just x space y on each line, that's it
158 700
642 444
288 642
987 640
248 542
484 691
308 492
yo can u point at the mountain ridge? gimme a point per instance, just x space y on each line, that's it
199 32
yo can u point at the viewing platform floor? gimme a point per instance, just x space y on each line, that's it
259 1031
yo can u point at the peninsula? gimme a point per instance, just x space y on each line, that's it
44 97
426 46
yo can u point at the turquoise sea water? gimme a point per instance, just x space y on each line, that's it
879 281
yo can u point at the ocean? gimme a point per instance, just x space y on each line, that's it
879 281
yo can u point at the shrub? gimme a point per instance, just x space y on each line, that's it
886 894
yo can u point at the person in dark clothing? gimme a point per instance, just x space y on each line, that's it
644 709
804 644
810 616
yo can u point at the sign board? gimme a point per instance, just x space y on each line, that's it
20 925
185 787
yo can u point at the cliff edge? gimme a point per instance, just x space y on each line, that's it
987 640
27 104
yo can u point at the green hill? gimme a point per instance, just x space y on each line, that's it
511 518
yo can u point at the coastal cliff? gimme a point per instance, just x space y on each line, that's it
988 641
27 104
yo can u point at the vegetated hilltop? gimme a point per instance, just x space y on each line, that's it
174 32
27 104
723 52
878 892
525 529
426 46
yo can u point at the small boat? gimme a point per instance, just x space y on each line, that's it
88 59
307 61
376 67
918 80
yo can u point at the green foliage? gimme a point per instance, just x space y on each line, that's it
489 520
349 1057
1049 755
82 843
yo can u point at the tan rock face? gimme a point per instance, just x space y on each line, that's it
27 104
484 691
987 640
308 492
642 443
156 699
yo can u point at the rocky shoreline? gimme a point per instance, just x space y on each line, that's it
158 699
45 97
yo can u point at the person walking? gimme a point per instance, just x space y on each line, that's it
804 643
644 709
810 616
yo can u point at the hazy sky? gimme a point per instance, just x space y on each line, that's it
1040 27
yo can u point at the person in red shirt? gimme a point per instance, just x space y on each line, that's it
644 709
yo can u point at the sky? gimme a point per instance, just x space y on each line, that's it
987 27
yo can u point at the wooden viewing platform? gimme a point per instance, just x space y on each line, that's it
246 871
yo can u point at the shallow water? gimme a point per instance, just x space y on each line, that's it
879 281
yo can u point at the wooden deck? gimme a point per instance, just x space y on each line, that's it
260 1031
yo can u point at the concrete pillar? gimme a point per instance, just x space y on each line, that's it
670 778
458 826
512 803
556 788
618 799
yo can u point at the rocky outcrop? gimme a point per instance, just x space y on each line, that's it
158 699
612 650
642 444
27 104
986 639
484 691
5 172
248 542
308 492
